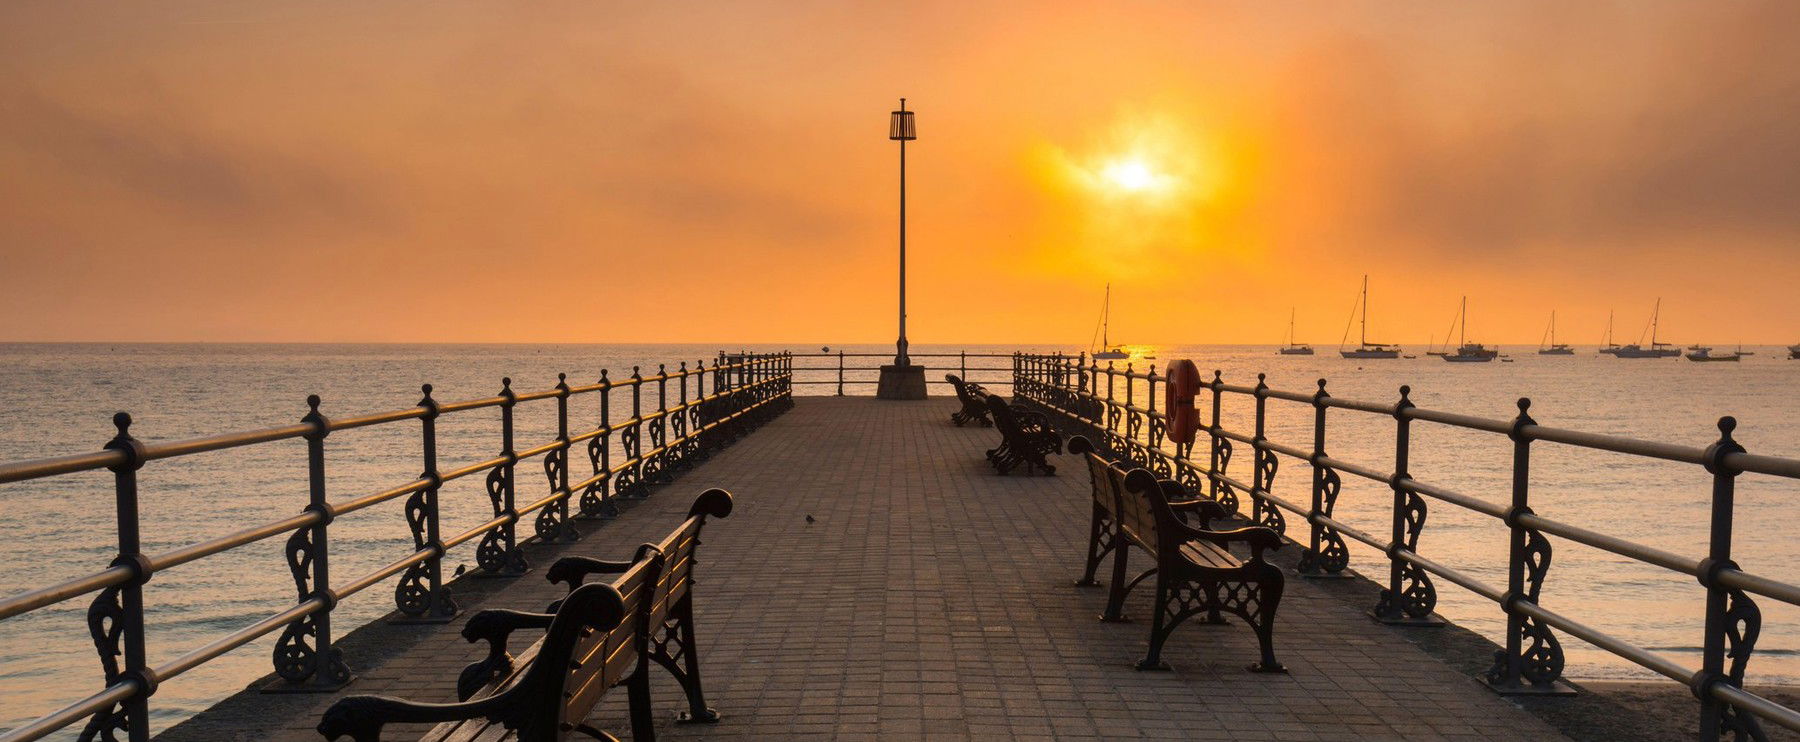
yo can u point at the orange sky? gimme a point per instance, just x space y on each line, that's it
698 171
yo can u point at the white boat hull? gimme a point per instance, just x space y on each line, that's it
1369 353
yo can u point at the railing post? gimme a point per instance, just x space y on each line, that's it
656 465
303 657
840 391
1519 669
420 594
1264 465
498 554
1410 596
1326 554
1219 453
553 523
116 617
630 481
1732 619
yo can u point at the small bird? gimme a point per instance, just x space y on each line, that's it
809 518
460 568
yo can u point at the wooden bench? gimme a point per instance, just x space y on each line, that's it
1025 438
974 402
597 642
1196 573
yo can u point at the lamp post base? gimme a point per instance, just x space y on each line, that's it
901 382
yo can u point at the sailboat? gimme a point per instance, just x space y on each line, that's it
1609 347
1657 348
1107 351
1364 348
1553 348
1467 352
1291 348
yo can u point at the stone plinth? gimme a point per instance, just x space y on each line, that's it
901 382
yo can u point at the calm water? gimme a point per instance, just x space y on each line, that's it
59 398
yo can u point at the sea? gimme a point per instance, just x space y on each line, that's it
59 399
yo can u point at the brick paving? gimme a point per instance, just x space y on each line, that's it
930 599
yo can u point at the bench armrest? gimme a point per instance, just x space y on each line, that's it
1183 502
494 626
572 569
1259 537
362 717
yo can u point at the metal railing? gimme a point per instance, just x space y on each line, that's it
746 391
841 368
1084 397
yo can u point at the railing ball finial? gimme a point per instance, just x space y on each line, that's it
312 403
1321 385
1524 405
1405 391
562 378
122 421
506 383
1726 425
426 388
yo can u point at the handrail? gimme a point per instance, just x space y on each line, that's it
688 420
1084 396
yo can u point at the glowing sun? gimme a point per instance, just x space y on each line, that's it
1129 175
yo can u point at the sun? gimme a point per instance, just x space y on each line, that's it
1130 174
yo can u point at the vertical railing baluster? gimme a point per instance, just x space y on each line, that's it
1219 449
565 526
1410 595
1326 553
1521 669
116 617
420 594
304 658
1733 621
634 438
840 388
498 554
1264 464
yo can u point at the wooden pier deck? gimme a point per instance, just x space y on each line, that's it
930 599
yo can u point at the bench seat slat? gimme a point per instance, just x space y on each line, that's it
1210 555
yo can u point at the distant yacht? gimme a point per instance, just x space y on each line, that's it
1703 355
1547 345
1467 352
1107 351
1609 347
1364 348
1291 348
1657 349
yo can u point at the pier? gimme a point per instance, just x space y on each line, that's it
930 598
876 578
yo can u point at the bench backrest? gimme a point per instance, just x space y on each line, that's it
1139 504
600 660
956 382
678 550
1004 419
1100 473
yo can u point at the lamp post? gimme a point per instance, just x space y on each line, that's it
902 380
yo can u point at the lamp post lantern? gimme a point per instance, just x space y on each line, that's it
902 380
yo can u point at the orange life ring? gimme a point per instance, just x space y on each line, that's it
1178 401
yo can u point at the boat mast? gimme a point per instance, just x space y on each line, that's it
1553 327
1462 324
1291 311
1363 329
1653 317
1106 319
